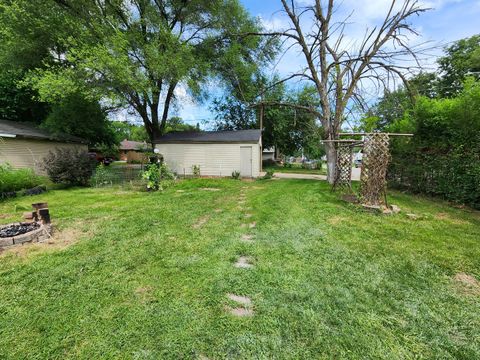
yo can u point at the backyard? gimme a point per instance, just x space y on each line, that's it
131 274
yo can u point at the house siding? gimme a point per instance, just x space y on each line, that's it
215 159
28 153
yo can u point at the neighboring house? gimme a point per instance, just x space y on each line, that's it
268 154
131 150
24 145
218 153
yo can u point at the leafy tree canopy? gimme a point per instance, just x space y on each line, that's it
176 123
136 53
461 59
31 39
125 130
78 116
19 103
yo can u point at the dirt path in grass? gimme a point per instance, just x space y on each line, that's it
355 175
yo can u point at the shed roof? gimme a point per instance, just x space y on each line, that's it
235 136
16 129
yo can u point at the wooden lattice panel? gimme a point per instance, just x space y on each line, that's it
376 155
343 169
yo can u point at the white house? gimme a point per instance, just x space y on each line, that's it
217 153
24 145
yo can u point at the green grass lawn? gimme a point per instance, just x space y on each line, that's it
145 276
296 169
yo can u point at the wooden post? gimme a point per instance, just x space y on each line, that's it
261 136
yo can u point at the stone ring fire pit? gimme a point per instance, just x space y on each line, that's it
37 228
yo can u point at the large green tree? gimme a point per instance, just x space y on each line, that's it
28 42
137 53
81 117
18 103
461 59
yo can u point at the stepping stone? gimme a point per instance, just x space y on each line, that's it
244 300
180 191
396 209
241 202
247 238
210 189
252 225
243 262
218 210
248 215
240 312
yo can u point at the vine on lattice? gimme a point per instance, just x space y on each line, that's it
373 180
343 168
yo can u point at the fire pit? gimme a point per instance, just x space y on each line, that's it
18 229
37 230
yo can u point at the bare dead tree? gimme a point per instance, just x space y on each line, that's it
340 70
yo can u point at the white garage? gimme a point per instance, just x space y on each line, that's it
217 153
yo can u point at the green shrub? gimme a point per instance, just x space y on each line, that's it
101 176
69 167
268 175
17 179
443 158
288 165
158 176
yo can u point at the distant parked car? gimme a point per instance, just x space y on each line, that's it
358 159
100 158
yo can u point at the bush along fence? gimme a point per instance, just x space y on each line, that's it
454 176
443 158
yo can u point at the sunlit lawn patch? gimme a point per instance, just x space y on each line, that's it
151 275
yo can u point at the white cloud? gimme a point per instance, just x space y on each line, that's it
274 23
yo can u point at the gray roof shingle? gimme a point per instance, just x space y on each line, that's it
132 145
237 136
31 131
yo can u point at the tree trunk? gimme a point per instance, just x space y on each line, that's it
331 161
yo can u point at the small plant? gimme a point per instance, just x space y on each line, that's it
236 175
69 166
158 176
196 170
268 175
101 176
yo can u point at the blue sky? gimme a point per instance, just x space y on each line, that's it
449 20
